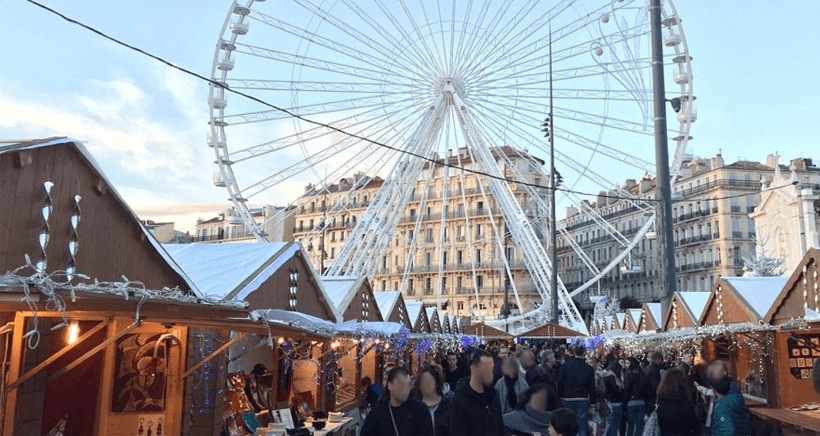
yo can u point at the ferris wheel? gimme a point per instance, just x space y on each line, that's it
426 95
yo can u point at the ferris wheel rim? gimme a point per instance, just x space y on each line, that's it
223 157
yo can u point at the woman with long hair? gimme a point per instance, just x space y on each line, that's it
677 399
533 412
614 382
636 393
429 388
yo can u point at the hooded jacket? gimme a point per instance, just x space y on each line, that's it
473 413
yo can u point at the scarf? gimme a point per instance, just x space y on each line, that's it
512 396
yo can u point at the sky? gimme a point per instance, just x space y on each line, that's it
755 76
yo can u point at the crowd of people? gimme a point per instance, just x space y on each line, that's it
563 390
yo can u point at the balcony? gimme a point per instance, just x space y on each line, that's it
692 215
735 209
737 235
724 183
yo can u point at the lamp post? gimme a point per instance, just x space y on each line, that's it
664 191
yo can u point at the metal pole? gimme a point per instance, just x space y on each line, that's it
553 237
663 193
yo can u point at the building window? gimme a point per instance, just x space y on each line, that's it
459 257
478 256
479 281
332 252
427 259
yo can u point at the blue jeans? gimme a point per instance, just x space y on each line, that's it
615 412
634 419
581 408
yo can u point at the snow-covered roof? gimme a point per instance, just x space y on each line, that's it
230 270
341 290
386 300
370 327
655 311
443 319
695 302
635 314
113 191
414 310
621 318
759 292
608 321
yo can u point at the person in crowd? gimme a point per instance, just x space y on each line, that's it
371 392
677 402
715 370
550 373
815 375
729 416
564 422
429 388
636 395
503 351
614 384
398 414
510 386
576 386
532 414
475 408
533 372
613 356
653 376
453 371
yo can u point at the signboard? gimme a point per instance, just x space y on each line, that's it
803 350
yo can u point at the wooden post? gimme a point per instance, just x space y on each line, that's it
10 400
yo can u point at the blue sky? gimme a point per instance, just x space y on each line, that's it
755 75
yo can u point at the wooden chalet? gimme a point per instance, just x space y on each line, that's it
795 315
392 307
103 331
418 316
632 318
550 330
485 331
435 321
685 310
444 319
650 318
352 297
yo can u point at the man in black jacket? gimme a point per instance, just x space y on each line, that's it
653 375
576 386
399 414
475 408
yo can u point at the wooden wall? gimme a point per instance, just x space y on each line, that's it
111 242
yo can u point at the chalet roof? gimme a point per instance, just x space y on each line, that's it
485 331
386 300
233 270
85 154
550 330
229 270
692 304
800 294
417 315
435 322
342 289
759 292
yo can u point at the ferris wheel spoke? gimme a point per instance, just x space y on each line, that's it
341 50
284 142
425 57
411 56
313 63
323 86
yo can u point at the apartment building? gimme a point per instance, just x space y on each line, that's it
451 236
228 225
713 232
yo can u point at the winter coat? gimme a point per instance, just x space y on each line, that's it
527 421
677 417
636 387
411 418
653 376
536 374
614 388
473 413
730 417
501 390
441 417
576 379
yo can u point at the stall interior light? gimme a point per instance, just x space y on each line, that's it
73 332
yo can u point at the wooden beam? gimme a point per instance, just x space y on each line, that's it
90 353
42 365
9 399
211 356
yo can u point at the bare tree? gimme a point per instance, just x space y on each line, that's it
763 264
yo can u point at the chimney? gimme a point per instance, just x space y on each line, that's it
771 160
799 164
717 161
